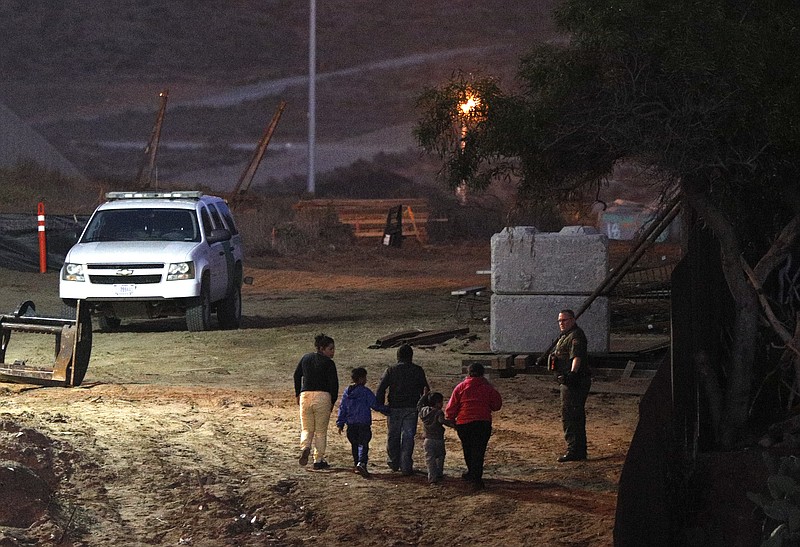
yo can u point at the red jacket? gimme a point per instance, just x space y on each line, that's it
473 400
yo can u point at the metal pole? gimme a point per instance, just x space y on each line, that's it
312 92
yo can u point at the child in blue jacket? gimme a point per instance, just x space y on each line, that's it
355 411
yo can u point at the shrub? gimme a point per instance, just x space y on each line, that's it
782 506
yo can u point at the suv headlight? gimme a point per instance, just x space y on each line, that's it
180 270
72 272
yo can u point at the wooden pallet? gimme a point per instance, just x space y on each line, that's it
367 217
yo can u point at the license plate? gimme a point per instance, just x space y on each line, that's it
124 290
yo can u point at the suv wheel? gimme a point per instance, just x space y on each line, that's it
107 323
198 314
229 310
69 308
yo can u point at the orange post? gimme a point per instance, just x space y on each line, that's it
42 239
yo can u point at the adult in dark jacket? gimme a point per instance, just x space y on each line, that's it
471 405
406 383
570 361
316 386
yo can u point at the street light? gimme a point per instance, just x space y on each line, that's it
466 109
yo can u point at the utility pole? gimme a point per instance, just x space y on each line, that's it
312 92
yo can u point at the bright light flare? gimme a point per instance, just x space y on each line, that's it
470 104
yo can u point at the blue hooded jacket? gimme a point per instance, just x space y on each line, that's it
357 404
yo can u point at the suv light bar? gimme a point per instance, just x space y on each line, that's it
179 194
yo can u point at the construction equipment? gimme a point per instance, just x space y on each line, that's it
145 177
73 347
243 184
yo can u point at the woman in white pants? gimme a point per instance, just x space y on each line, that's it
316 386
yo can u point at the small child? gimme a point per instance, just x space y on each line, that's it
355 411
432 416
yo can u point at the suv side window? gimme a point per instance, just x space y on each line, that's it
206 219
226 214
215 215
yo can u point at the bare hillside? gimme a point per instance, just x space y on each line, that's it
87 74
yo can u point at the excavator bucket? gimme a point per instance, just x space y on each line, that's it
73 347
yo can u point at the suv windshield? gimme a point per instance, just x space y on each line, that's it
143 225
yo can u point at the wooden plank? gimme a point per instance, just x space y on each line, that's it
418 337
521 362
628 369
392 338
368 216
378 217
490 371
360 204
435 337
500 361
378 233
468 290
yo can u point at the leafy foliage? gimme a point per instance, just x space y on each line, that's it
782 506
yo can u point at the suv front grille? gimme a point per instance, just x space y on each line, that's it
124 280
124 266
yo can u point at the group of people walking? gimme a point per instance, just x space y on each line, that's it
405 397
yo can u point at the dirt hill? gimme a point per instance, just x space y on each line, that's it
87 74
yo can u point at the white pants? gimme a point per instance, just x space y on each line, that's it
315 413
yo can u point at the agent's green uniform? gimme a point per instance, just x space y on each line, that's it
573 397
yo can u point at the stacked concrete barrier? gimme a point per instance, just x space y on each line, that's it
537 274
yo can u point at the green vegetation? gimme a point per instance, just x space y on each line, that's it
781 507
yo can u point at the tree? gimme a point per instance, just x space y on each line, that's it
703 95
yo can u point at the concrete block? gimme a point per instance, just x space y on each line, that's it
570 262
579 230
527 323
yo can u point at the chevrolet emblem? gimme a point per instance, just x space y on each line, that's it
124 272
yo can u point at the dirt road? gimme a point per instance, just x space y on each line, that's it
179 438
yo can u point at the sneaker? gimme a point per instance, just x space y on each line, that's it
304 456
322 464
362 470
407 473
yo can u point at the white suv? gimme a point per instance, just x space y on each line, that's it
157 254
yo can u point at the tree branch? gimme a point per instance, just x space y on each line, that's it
779 250
785 336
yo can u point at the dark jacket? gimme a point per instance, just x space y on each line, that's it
569 345
433 419
406 383
316 372
356 406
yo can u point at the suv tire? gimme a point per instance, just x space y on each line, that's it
107 323
229 310
198 313
69 308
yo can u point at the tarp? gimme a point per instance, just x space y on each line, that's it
19 240
625 219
